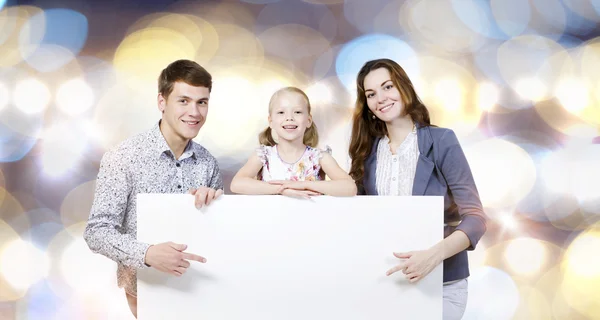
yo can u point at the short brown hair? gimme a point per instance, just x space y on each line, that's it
186 71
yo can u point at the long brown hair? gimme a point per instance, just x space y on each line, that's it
365 129
311 136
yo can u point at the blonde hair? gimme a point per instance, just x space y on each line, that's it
311 136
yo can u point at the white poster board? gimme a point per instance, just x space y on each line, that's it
280 258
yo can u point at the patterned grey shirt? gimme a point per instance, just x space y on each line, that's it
141 164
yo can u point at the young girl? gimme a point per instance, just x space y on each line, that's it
292 166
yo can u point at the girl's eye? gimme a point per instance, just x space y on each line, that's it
370 95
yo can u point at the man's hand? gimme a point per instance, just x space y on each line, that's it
204 196
169 257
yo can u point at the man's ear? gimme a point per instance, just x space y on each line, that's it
161 102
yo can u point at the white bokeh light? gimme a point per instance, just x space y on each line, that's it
31 96
487 96
62 147
85 271
449 93
531 89
574 170
4 96
74 97
573 94
23 264
525 256
492 295
319 94
504 173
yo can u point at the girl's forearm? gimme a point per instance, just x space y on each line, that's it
244 185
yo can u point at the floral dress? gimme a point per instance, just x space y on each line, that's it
307 168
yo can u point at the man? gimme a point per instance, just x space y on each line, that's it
161 160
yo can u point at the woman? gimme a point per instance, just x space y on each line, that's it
396 151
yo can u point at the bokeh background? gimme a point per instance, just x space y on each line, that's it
518 81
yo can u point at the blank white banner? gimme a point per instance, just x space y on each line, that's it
274 257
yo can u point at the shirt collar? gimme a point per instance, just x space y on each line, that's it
160 146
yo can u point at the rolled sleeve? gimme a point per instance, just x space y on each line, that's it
460 181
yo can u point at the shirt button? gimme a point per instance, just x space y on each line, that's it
395 159
178 165
394 179
179 186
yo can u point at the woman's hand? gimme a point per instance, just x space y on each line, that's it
417 264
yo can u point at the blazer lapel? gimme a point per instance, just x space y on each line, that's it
425 165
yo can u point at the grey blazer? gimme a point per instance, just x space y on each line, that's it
442 170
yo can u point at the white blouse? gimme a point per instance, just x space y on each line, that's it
395 173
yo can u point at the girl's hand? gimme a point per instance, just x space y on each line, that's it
305 194
295 188
417 264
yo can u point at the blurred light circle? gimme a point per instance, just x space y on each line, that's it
62 147
260 1
77 205
113 123
573 94
512 16
324 1
549 18
293 41
434 24
322 66
84 270
504 173
531 65
52 38
199 32
250 114
16 144
12 20
7 236
492 295
488 96
531 89
304 16
357 52
525 256
74 97
584 9
4 96
574 170
448 94
534 304
477 257
366 15
31 96
477 15
237 46
582 273
137 55
23 264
